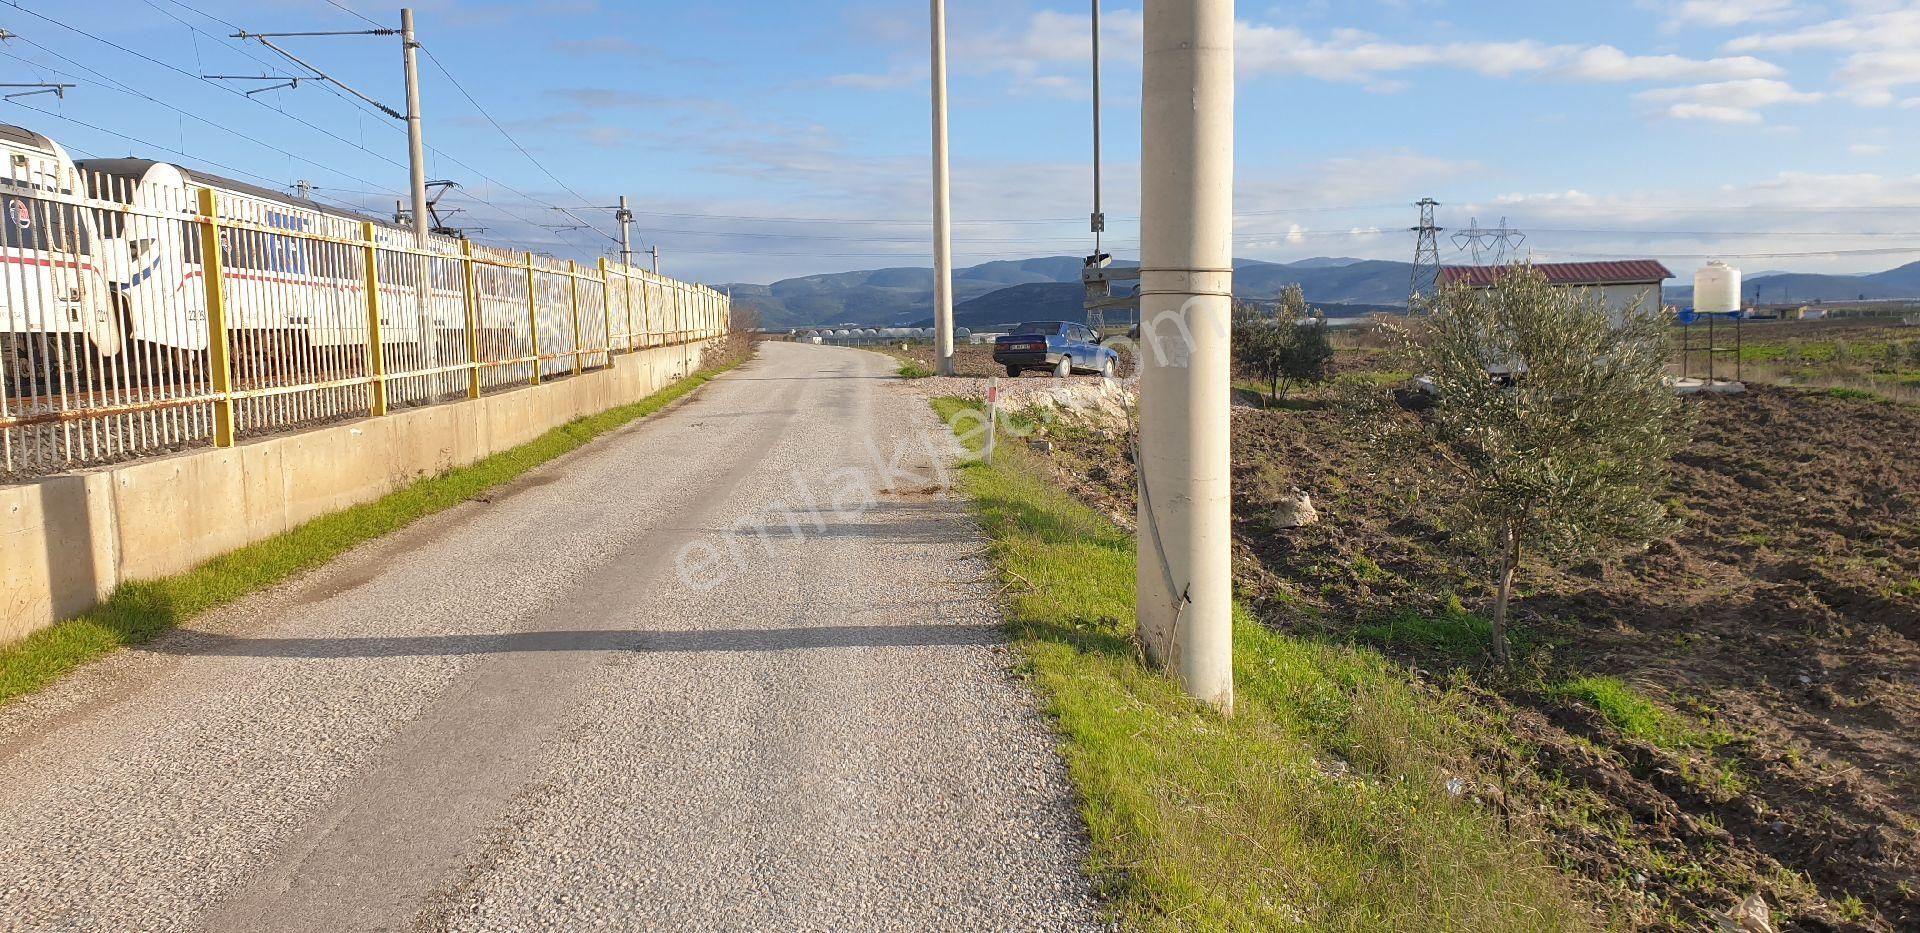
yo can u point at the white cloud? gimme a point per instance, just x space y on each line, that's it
1879 45
897 78
1725 101
1048 39
1296 233
1723 13
1867 150
1350 55
1871 78
1795 220
1893 29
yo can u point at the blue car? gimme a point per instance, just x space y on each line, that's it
1059 347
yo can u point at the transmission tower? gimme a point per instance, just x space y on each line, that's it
1495 241
1426 254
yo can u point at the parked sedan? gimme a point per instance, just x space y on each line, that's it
1059 347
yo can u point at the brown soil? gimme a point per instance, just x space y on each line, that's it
1783 622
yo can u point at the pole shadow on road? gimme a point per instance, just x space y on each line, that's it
616 640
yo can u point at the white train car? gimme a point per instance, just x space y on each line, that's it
288 292
56 303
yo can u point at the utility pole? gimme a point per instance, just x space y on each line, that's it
409 48
621 215
416 142
625 217
1183 572
1099 217
656 259
942 227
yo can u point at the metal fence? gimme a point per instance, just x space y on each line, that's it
141 316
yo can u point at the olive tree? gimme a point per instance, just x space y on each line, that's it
1284 347
1565 451
1258 341
1308 354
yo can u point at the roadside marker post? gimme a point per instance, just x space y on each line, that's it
993 412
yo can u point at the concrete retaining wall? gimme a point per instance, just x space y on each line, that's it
68 540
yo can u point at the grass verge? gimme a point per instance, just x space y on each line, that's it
139 610
912 369
1340 796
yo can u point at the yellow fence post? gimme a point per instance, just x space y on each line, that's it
627 277
473 320
573 309
606 309
219 351
376 346
533 320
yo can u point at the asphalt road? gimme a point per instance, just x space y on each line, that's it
645 687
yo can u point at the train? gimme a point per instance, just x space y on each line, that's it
105 255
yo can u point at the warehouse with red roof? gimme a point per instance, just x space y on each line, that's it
1624 285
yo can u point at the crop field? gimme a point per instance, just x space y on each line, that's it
1846 357
1735 709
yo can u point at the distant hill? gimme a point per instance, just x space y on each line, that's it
884 297
1780 287
1048 287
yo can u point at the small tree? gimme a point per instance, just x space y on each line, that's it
1567 451
1307 355
1257 342
1284 347
1293 303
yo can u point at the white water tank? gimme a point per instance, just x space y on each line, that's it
1716 288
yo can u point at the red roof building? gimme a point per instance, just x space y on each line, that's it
1625 272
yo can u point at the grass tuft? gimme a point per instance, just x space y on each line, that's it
1635 715
913 369
1339 797
139 610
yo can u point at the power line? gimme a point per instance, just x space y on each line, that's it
180 71
355 13
147 142
113 84
242 95
444 70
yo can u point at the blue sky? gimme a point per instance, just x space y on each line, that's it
760 140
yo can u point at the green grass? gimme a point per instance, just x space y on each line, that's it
139 610
913 369
1323 804
1637 716
1856 395
1454 633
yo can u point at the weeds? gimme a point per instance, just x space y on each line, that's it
1336 798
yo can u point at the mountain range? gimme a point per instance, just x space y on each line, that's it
1049 288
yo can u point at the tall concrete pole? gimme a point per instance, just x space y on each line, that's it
1184 573
625 217
942 226
416 144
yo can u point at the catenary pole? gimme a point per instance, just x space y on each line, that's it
1183 574
416 143
942 227
625 217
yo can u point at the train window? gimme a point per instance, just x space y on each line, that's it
21 222
190 241
34 224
